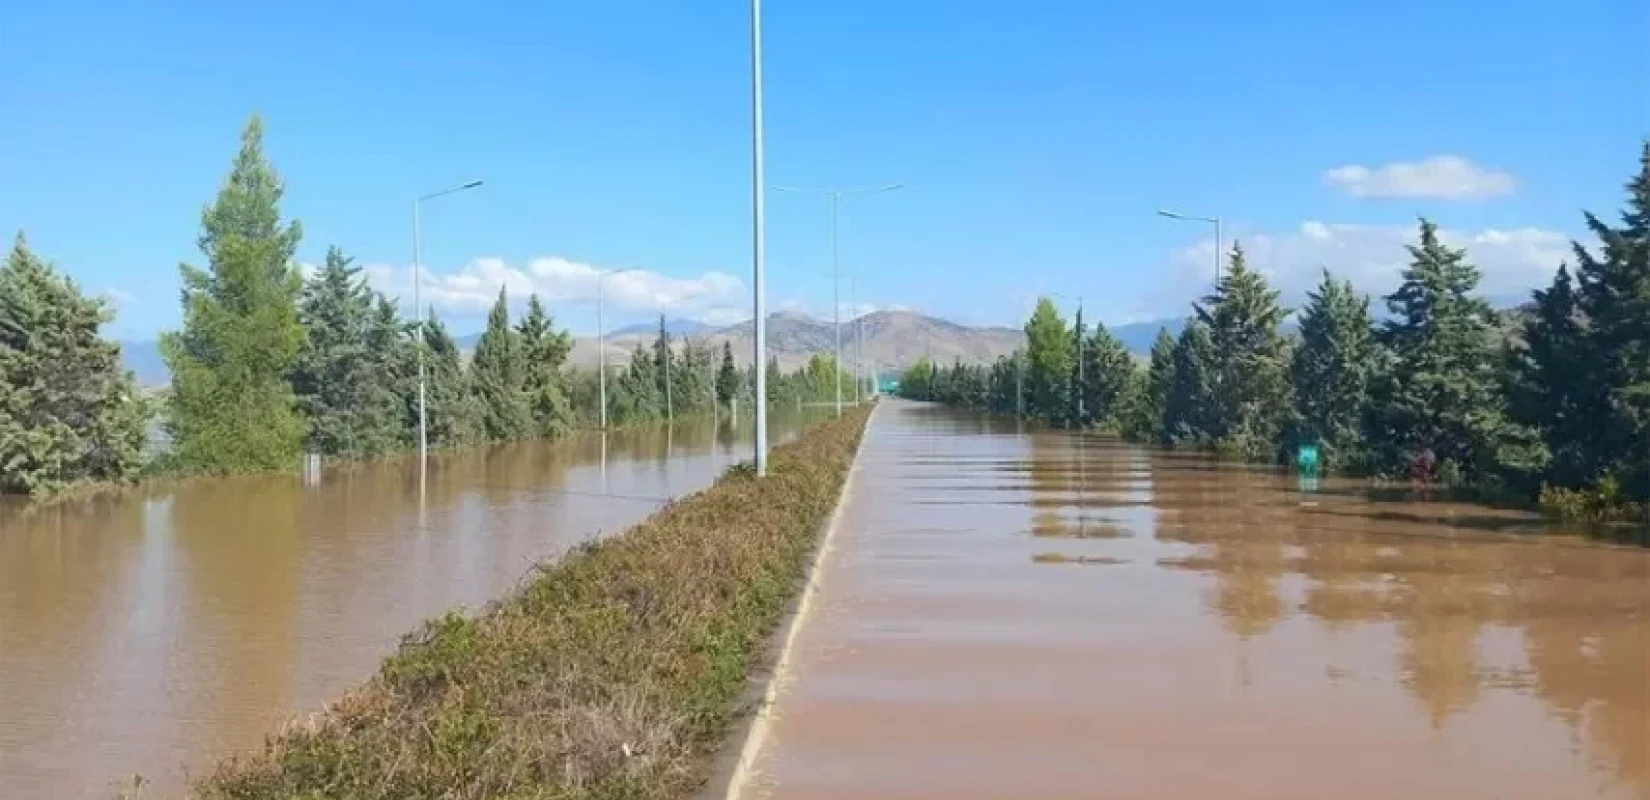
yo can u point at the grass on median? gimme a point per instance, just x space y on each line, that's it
614 673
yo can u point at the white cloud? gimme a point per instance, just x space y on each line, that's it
1512 261
117 297
556 280
1443 177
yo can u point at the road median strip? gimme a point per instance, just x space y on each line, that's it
618 671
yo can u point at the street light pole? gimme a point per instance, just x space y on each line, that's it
836 195
758 301
1190 218
601 341
423 322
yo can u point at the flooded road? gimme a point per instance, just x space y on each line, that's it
156 631
1008 615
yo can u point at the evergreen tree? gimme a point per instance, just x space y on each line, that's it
1189 409
68 411
497 371
451 405
1332 368
1614 298
1145 419
393 349
1443 394
1107 372
1250 367
232 407
338 379
1548 388
664 368
1049 361
727 377
544 352
1078 410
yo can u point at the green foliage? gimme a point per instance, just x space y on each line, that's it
727 377
454 410
1443 392
1146 410
1332 369
342 382
1249 362
1190 410
1050 363
498 377
544 353
232 405
1108 372
68 412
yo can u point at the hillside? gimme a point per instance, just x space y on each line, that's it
893 340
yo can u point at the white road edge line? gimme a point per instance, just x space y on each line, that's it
759 727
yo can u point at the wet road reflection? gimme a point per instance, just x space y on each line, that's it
1015 615
154 631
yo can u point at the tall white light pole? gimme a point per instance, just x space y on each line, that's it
1190 218
601 342
836 196
758 289
423 321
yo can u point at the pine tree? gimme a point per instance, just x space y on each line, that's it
1107 372
1250 367
337 379
393 349
1332 370
1189 410
451 405
1614 298
544 352
232 407
664 368
727 377
1144 419
1444 390
68 411
497 371
1548 388
1049 360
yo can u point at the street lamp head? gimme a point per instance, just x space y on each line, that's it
1163 212
470 185
892 187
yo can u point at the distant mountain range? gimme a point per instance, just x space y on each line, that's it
893 340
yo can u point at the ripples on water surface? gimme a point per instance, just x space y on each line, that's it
161 629
1016 615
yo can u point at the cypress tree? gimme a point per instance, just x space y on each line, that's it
1049 360
1443 395
393 350
1149 397
727 377
338 379
452 406
1189 410
497 377
1332 369
544 351
232 406
1107 372
1250 366
1548 388
1614 297
68 411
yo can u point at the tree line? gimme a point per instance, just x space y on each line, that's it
269 364
1549 400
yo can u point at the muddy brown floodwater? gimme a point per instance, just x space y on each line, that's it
156 631
1015 615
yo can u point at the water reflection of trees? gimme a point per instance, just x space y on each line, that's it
1582 614
1078 485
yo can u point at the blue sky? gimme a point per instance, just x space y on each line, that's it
1036 141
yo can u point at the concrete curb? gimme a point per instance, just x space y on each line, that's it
731 771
